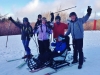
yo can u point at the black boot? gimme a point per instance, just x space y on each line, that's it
29 56
74 62
25 56
79 66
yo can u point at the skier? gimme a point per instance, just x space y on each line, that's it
43 36
59 29
76 29
39 22
60 47
26 34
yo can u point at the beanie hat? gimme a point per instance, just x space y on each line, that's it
25 19
39 16
44 19
72 14
58 17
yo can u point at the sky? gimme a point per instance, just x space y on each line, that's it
31 8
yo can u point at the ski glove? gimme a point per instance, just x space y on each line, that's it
89 10
10 18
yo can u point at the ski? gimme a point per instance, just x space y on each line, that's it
14 60
50 73
56 70
21 65
36 70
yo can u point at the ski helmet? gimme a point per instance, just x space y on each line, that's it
72 14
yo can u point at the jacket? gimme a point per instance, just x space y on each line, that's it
76 28
59 46
43 32
26 31
39 22
59 29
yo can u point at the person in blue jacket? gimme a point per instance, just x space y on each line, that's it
26 35
60 47
77 31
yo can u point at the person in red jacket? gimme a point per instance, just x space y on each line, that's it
59 29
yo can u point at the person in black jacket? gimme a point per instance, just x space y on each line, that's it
26 34
39 22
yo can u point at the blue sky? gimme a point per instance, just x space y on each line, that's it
31 8
8 4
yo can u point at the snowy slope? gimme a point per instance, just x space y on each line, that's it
15 50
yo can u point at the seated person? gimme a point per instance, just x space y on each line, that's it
60 47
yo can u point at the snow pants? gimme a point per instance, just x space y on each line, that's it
78 48
44 46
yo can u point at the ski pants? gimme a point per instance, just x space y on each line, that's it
44 46
26 46
78 48
48 56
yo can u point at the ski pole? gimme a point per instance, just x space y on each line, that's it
35 43
66 9
8 34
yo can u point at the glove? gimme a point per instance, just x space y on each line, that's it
10 18
52 16
89 10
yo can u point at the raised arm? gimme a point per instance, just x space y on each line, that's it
86 17
17 24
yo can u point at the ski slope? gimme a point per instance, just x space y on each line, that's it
15 50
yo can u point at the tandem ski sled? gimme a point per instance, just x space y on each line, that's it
58 63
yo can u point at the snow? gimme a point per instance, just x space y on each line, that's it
15 50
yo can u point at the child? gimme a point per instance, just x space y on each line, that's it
60 46
26 34
43 36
